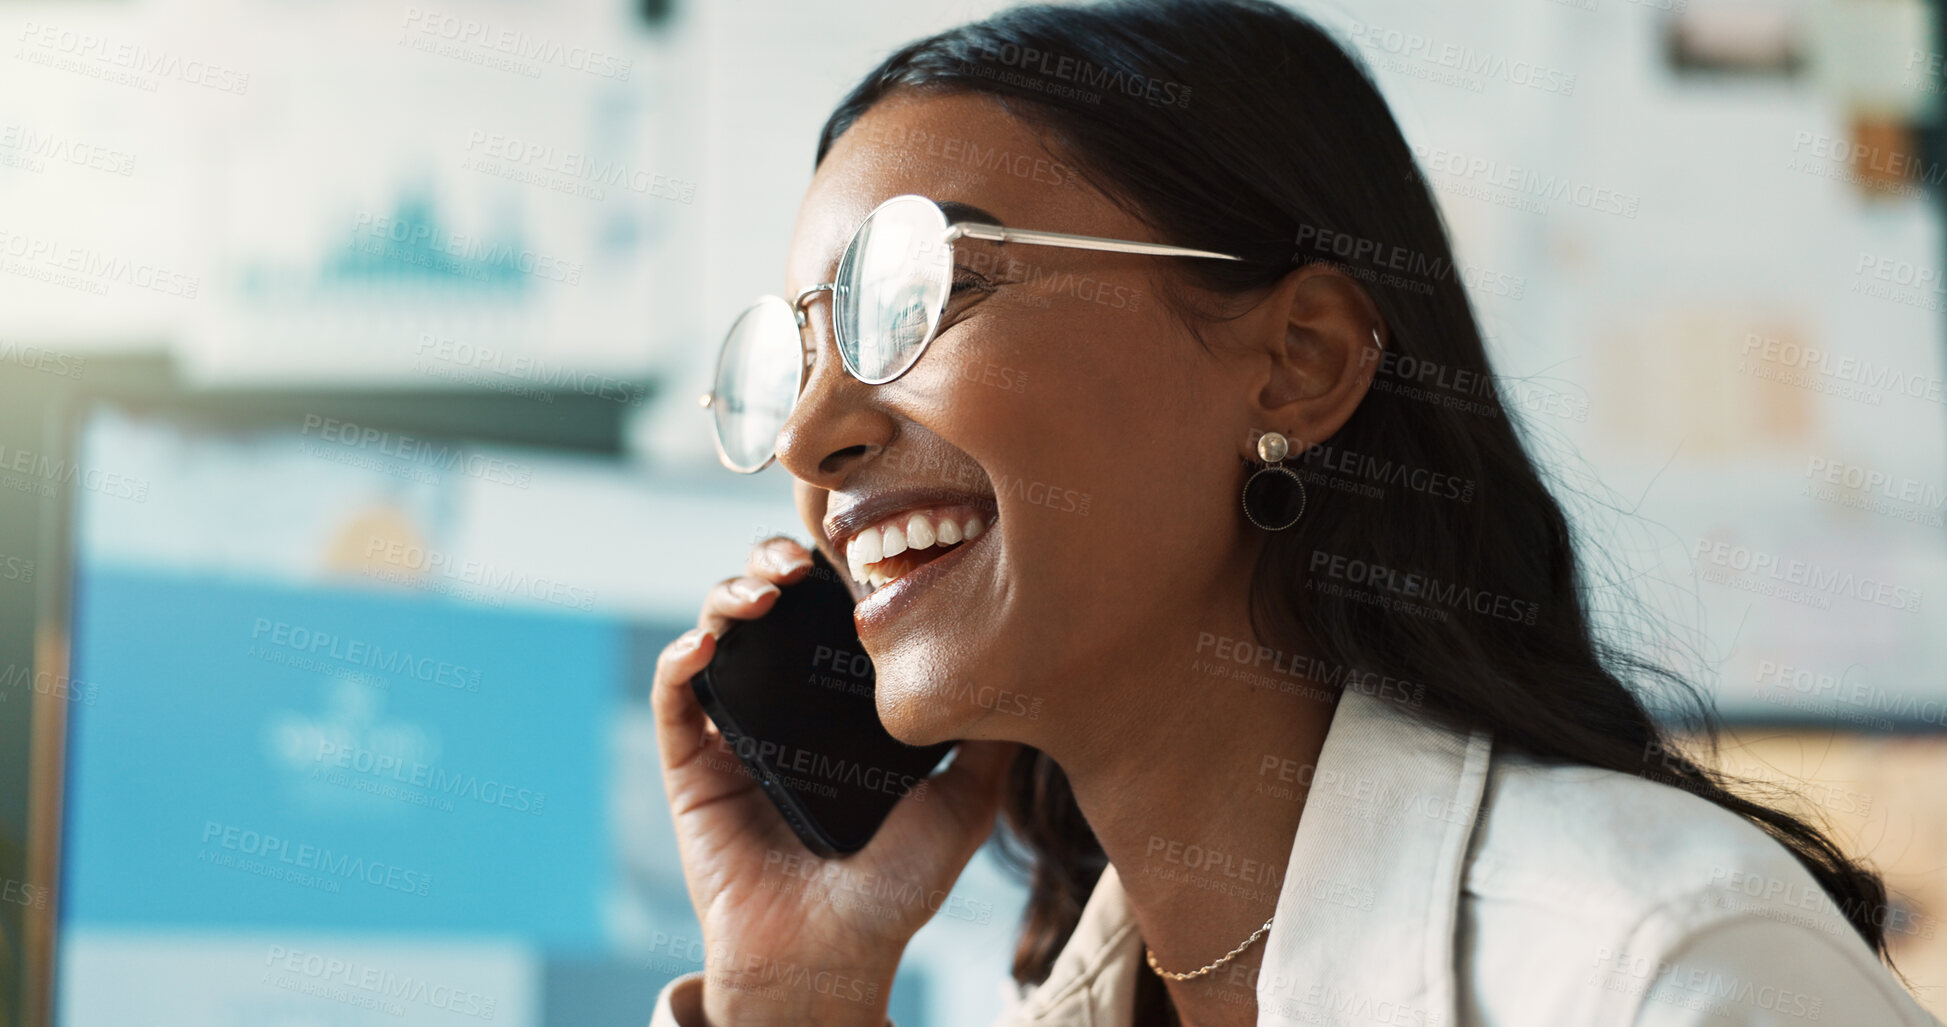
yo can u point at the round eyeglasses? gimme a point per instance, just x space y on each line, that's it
892 286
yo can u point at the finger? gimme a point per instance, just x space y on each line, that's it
969 790
735 599
681 726
780 559
699 767
975 778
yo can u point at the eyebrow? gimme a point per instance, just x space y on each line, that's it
956 211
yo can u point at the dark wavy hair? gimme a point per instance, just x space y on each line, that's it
1240 126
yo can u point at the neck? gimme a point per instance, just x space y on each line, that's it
1194 790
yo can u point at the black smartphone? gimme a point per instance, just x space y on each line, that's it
792 693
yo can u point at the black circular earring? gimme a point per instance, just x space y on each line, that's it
1274 497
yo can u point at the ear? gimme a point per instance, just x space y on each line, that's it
1315 340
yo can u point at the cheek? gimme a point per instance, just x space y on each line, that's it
811 502
1116 410
1093 428
1081 378
1108 455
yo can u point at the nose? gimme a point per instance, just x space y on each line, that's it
834 426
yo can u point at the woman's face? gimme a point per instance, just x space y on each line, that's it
1059 402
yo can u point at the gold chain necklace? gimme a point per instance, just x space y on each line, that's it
1200 971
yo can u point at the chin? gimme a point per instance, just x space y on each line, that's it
921 715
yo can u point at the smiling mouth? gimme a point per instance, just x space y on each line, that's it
883 552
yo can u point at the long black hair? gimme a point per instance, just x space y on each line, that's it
1240 126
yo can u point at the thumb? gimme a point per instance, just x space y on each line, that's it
971 787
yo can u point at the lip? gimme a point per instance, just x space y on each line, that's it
840 527
886 602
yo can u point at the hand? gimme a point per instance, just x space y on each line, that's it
791 937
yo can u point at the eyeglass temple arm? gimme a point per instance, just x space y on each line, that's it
1003 234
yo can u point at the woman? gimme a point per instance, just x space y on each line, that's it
1349 754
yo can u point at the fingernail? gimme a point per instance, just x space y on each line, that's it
786 562
751 593
688 640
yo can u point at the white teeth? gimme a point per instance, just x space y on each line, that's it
866 545
919 531
853 563
916 531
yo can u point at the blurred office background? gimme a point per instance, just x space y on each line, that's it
348 365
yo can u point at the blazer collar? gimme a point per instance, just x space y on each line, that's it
1367 912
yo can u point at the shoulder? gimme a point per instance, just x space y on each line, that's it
1608 845
1641 903
1757 970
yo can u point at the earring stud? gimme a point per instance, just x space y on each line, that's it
1274 497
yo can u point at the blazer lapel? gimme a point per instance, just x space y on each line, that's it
1367 912
1092 982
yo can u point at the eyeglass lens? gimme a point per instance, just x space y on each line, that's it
758 375
891 287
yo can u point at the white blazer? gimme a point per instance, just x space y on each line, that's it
1435 882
